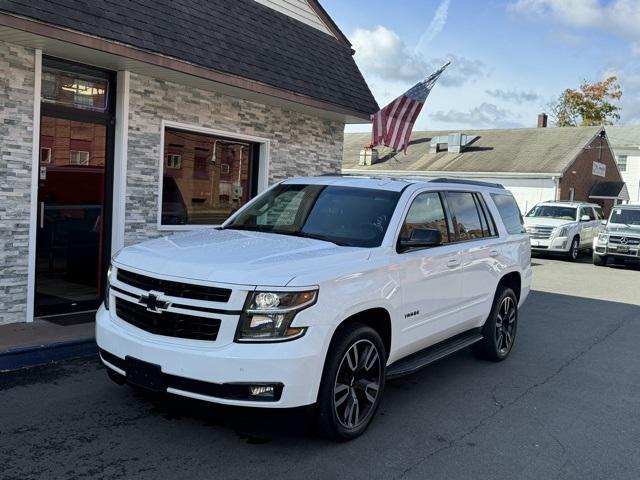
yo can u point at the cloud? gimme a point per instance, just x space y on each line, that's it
513 96
567 38
485 115
435 27
382 54
617 17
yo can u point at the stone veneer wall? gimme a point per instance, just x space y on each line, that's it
16 138
300 144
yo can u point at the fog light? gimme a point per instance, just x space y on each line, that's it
261 390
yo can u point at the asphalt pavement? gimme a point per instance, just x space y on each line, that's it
565 405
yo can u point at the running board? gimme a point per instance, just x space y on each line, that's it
421 359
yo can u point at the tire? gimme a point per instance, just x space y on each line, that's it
574 249
352 383
600 260
498 338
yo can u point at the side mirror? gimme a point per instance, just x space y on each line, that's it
585 218
604 222
421 238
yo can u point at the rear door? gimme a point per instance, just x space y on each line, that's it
587 228
474 234
431 277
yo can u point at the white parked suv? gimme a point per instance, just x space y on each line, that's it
563 227
317 291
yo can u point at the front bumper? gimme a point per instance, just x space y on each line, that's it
555 244
196 368
615 251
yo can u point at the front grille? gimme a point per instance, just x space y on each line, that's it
169 324
540 232
630 241
174 289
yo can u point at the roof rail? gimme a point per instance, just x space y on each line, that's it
467 182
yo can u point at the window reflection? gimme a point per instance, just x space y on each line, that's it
205 178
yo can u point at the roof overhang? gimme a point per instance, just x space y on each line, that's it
623 194
445 173
79 47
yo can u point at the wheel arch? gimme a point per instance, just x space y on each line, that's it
377 318
512 280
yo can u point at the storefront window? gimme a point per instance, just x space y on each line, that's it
205 178
74 89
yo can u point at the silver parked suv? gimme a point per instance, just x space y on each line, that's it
620 241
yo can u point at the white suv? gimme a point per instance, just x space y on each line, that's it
564 227
317 291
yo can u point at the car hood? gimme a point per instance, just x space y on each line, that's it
238 257
623 229
551 222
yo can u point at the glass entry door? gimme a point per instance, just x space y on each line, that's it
74 187
71 216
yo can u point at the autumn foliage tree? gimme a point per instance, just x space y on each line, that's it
592 104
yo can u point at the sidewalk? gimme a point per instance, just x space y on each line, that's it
43 341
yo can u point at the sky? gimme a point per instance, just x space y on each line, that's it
510 59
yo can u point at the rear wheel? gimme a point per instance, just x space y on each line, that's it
499 331
599 260
574 249
352 383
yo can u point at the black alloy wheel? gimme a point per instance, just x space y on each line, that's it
505 325
357 384
499 331
353 382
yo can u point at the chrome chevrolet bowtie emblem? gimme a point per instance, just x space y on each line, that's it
153 302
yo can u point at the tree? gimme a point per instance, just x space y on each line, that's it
592 104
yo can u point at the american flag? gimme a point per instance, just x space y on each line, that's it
393 124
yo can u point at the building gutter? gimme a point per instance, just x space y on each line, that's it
433 173
122 50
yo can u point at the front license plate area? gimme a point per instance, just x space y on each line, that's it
144 374
623 249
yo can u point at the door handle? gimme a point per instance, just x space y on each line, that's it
494 253
41 215
454 262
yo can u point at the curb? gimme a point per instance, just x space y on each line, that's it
24 357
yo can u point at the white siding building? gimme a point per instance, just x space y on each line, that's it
625 142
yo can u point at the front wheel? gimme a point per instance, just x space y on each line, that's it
499 331
599 260
352 382
574 250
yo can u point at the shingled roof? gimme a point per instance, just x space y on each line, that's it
515 150
239 37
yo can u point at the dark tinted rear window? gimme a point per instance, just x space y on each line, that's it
509 212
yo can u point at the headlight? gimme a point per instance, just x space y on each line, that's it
268 315
108 287
562 232
603 238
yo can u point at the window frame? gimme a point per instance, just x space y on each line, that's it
504 225
619 164
449 214
261 181
406 214
173 156
49 155
80 164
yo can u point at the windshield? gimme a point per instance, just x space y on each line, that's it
625 215
346 216
553 211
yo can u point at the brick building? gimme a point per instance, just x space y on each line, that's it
122 121
536 164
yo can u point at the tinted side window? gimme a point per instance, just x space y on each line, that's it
588 211
599 213
465 216
509 212
484 211
426 212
